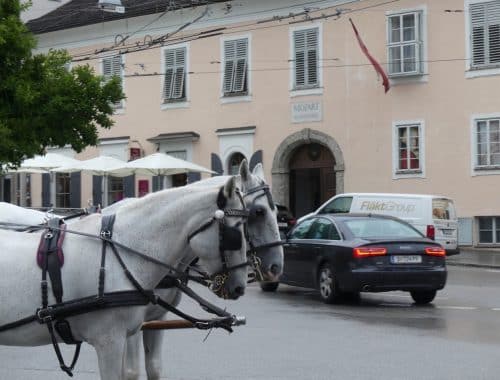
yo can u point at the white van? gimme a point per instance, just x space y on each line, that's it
433 215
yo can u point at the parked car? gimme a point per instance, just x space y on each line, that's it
286 220
433 215
342 255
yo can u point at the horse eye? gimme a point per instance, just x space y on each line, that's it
259 211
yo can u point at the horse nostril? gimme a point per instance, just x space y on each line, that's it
275 269
239 291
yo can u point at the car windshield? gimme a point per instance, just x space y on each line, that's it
380 228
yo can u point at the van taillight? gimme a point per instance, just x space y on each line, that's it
435 251
369 251
431 232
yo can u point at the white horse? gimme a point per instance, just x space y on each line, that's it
164 225
262 232
13 214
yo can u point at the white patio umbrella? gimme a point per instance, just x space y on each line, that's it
47 162
161 164
103 166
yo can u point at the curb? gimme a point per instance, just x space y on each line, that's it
484 266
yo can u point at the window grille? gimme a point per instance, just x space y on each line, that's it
404 44
487 143
408 148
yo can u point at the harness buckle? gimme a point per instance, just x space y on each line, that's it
44 318
49 235
105 234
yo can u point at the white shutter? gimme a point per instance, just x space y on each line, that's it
112 66
306 44
485 35
236 66
175 72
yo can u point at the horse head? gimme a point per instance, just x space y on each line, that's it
263 232
224 230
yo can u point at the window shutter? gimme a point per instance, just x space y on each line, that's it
112 66
46 190
175 72
306 43
236 65
485 37
129 186
97 190
75 192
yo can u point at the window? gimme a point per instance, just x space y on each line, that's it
323 229
485 34
306 58
340 205
404 44
236 67
174 85
408 147
300 231
63 190
489 230
234 163
487 140
115 190
112 66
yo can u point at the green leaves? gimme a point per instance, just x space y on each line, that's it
42 103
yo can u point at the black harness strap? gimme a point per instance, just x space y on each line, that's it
52 266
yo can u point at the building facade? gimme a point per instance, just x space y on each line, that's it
285 83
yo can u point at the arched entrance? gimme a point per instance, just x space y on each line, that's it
312 178
288 155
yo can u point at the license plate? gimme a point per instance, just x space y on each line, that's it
407 259
447 232
282 224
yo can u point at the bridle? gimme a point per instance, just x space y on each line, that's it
230 239
253 211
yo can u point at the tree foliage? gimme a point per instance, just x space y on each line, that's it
43 103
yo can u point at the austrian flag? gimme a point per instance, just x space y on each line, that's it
373 61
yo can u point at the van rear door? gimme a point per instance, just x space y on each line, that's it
445 223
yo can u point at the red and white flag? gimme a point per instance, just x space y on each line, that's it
378 68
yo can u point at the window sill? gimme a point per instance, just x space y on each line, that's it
396 80
235 99
306 92
402 174
487 170
482 72
175 105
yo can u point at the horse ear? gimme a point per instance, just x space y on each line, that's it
229 187
244 170
258 171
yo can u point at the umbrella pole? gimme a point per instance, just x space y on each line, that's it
104 191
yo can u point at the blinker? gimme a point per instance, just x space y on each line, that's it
231 238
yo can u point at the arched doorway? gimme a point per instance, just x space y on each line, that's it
312 178
286 152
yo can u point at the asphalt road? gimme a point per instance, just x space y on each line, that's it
292 335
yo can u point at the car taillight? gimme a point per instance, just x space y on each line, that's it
431 232
369 251
292 222
435 251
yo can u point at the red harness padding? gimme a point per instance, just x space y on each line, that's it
47 243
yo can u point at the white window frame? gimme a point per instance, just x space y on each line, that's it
408 173
243 97
317 90
421 74
119 108
470 71
185 102
475 169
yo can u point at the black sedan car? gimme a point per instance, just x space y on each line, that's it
342 255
